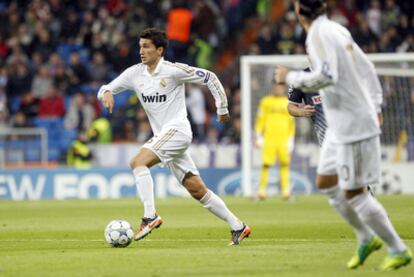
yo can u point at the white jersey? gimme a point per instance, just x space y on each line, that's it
350 89
162 94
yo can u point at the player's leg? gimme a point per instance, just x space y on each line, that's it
149 155
268 159
359 166
186 172
264 179
284 151
211 201
327 182
140 165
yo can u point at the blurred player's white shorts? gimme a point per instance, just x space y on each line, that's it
171 147
357 164
327 158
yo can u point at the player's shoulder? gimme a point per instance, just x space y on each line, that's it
139 67
177 66
294 92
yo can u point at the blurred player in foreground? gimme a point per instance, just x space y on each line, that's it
350 154
275 133
160 87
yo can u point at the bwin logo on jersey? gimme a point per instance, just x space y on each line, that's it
154 98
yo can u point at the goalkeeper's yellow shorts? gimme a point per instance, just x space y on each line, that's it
274 151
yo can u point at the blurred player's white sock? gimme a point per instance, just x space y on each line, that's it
337 200
145 187
217 206
374 215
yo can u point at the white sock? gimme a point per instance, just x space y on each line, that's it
337 200
374 215
145 187
217 206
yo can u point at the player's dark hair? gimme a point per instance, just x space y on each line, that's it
312 8
157 36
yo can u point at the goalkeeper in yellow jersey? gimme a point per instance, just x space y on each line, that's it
275 132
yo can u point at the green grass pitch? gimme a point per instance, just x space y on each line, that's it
304 238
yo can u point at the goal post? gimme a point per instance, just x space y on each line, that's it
396 72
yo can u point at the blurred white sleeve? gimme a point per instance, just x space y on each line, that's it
322 53
188 74
119 84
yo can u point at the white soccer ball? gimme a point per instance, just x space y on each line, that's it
119 233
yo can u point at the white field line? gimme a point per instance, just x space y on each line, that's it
185 240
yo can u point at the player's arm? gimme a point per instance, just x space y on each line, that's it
295 97
366 69
119 84
324 73
296 110
188 74
259 125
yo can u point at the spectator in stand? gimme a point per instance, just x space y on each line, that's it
36 61
407 45
20 80
3 87
79 74
62 80
20 121
179 30
43 44
70 26
80 114
285 39
266 40
99 72
363 35
100 131
17 56
390 15
52 105
54 62
97 45
373 16
4 124
41 82
29 106
123 57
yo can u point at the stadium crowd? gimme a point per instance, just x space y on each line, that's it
55 54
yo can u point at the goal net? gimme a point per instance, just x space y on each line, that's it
396 73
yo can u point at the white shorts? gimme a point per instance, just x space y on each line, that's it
359 163
327 158
171 147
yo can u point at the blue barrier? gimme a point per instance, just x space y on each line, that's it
110 183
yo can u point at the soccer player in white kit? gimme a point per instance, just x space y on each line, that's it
350 153
160 87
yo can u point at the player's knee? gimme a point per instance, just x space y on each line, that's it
326 182
135 162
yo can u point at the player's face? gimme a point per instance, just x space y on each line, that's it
148 52
279 90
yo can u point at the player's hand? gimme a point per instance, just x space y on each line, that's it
223 117
280 74
258 140
307 111
380 119
108 100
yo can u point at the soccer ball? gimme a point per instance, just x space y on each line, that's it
119 233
